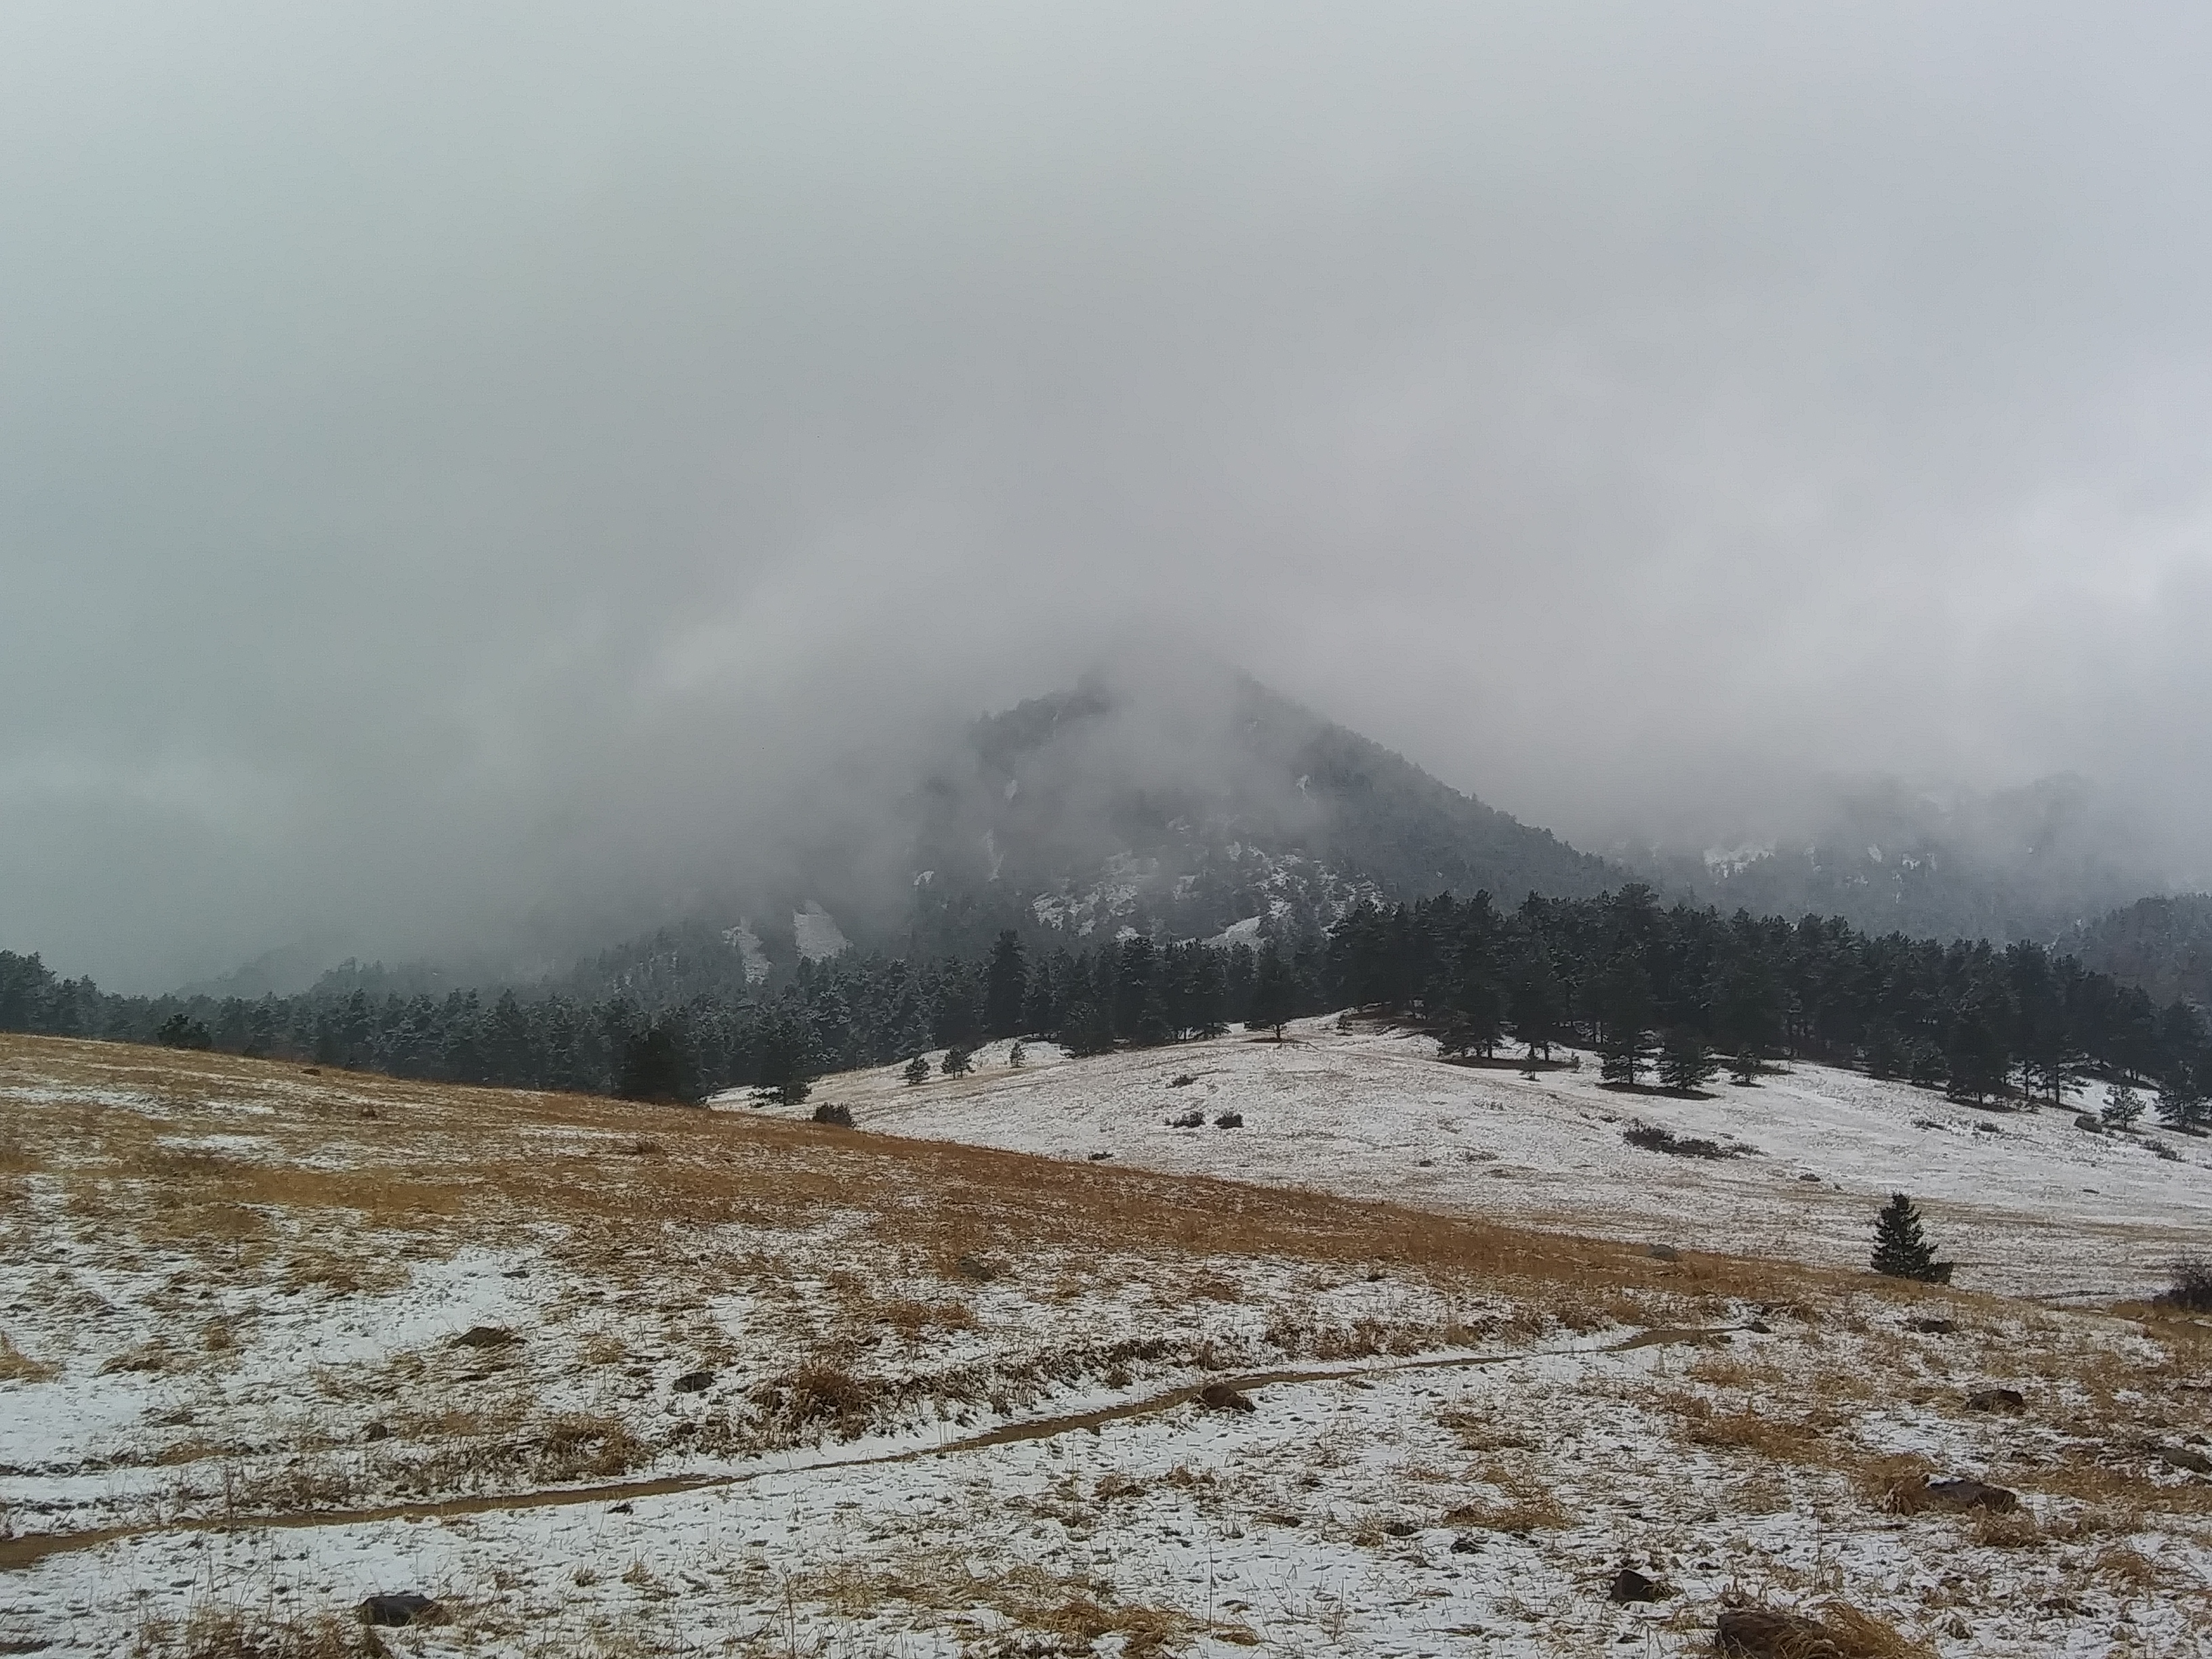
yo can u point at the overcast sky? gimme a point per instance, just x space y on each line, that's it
456 459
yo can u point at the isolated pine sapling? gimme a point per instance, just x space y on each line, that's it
1743 1067
957 1062
1018 1056
2122 1107
1900 1249
1684 1061
917 1071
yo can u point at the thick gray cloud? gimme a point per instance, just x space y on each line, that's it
461 464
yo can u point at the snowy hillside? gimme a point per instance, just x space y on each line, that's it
597 1379
2027 1203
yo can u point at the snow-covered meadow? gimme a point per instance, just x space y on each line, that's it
605 1379
2025 1202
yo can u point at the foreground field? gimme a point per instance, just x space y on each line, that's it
2025 1202
601 1379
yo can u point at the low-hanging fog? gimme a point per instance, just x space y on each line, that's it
472 475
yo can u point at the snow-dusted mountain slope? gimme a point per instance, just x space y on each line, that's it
2025 1202
1187 803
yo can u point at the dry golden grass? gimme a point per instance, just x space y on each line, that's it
436 1156
16 1366
1527 1506
1074 1612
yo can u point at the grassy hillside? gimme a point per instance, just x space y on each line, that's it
609 1380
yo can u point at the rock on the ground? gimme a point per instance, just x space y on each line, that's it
407 1607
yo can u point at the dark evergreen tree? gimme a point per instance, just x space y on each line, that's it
1274 993
2184 1103
655 1065
957 1062
959 1022
1041 1011
1538 1005
181 1030
1005 982
1685 1063
1887 1053
1899 1249
915 1071
1205 987
1976 1056
1621 1005
1089 1029
784 1066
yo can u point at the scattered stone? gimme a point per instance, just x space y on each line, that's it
2064 1606
693 1382
486 1336
1187 1121
2009 1401
1220 1397
310 1071
1100 1157
1809 1175
1763 1633
1758 1328
979 1270
1230 1120
622 1509
1965 1493
406 1608
1630 1585
1932 1327
1399 1529
1466 1544
1664 1253
837 1115
2090 1121
1182 1080
377 1431
2180 1457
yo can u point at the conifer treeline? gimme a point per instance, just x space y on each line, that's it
1619 974
1624 977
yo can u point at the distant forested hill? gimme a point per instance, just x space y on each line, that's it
2163 945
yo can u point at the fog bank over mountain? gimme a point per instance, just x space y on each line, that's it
476 481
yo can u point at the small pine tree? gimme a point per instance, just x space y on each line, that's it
1743 1067
1684 1061
957 1062
2122 1107
1899 1249
917 1071
1017 1056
